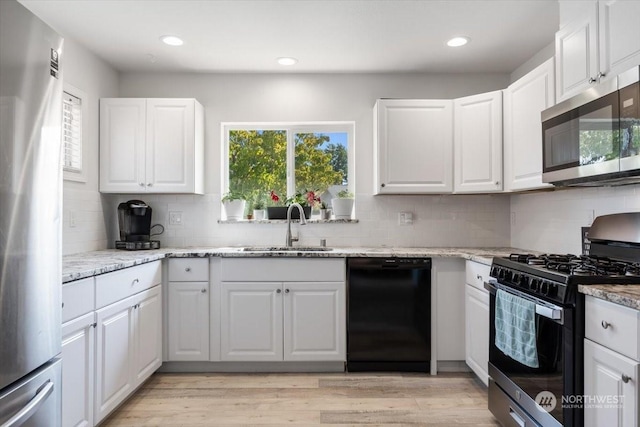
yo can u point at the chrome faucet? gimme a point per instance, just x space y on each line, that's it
303 221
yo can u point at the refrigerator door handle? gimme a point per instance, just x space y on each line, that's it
32 407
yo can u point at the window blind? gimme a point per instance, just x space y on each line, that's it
72 132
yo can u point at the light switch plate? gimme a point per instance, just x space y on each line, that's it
405 218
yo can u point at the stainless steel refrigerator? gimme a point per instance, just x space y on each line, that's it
30 219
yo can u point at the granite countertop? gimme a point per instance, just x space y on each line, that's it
626 295
79 266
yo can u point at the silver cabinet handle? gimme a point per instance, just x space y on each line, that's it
605 324
479 277
626 378
601 75
62 304
592 80
188 269
278 290
94 325
204 291
286 291
32 407
135 282
150 184
141 184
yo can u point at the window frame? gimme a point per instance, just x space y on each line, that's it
291 128
81 174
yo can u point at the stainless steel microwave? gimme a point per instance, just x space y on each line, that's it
594 138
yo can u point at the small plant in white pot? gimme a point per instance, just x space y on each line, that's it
233 203
259 211
343 205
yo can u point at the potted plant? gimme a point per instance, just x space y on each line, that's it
233 202
343 205
280 212
324 212
259 211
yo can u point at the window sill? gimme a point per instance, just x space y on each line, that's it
284 221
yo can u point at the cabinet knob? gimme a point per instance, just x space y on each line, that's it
479 277
278 290
601 75
605 324
204 291
63 305
286 291
94 325
592 80
188 269
150 184
141 184
382 185
497 182
626 378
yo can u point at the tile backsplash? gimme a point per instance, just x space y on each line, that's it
460 220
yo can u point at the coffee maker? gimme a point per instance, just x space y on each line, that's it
134 219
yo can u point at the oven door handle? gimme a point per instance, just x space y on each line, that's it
543 309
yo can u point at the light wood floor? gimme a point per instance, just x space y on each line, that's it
189 400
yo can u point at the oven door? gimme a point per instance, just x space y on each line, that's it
582 141
555 374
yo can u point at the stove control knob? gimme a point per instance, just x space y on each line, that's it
494 271
524 281
534 285
553 290
508 275
516 278
544 288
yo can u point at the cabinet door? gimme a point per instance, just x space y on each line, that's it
477 143
477 332
78 342
148 334
414 146
524 100
577 54
619 35
170 149
612 380
314 321
114 353
122 145
188 321
251 321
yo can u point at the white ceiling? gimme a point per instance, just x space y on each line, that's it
325 36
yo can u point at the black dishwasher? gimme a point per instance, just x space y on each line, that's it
389 314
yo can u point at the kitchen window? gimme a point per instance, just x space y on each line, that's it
287 159
74 105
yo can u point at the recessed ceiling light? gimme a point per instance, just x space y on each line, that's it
172 40
458 41
287 61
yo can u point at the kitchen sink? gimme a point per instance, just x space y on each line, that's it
286 249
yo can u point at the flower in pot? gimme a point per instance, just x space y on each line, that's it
233 203
343 205
325 213
279 210
259 211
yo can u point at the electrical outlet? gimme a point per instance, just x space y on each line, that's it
405 218
175 218
72 219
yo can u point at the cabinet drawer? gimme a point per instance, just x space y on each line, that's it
78 298
477 274
115 286
613 326
283 270
189 270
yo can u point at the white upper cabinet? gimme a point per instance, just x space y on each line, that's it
477 143
524 100
151 146
598 40
413 146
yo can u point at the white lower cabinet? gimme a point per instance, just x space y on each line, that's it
477 332
611 383
284 318
78 343
611 364
266 321
128 347
188 321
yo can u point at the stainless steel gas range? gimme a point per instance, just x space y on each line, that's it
541 390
